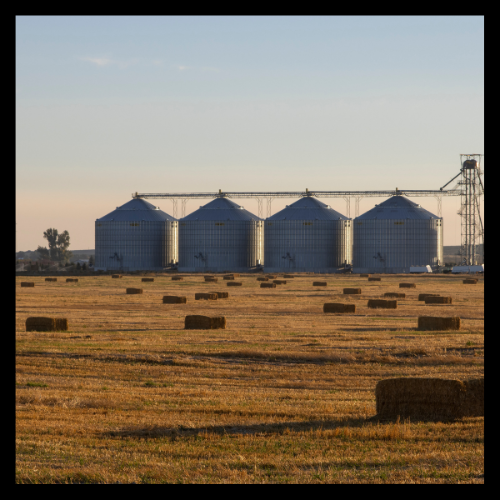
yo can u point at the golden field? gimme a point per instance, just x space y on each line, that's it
285 394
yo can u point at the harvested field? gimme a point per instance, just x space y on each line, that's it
173 299
284 394
288 276
382 304
438 300
430 398
407 285
395 295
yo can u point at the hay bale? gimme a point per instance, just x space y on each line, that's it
228 278
280 282
429 398
268 285
319 283
470 281
382 304
198 322
132 291
234 283
172 299
364 275
117 276
40 324
177 278
433 323
71 280
29 284
288 276
395 295
407 285
423 296
50 279
61 324
338 307
221 295
211 279
438 300
236 275
262 279
352 291
205 296
374 279
147 279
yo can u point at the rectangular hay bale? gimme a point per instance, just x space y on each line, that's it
228 278
133 291
177 278
116 275
221 295
338 307
280 282
423 296
198 322
429 398
470 281
50 279
71 280
147 279
262 279
268 285
320 283
374 279
234 283
395 295
40 324
407 285
173 299
27 284
288 276
61 324
438 300
205 296
435 323
351 291
382 304
209 279
364 275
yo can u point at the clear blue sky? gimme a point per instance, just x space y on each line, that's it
107 106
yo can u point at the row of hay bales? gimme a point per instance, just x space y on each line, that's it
31 284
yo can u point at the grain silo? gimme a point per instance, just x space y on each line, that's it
220 236
307 236
395 235
136 237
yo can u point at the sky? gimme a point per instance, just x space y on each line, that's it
109 106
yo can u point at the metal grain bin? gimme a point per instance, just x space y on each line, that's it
220 236
396 235
136 237
307 236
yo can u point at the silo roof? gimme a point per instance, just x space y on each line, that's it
221 209
308 208
137 209
398 207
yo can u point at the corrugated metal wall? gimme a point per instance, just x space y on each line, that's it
220 245
307 246
138 245
392 246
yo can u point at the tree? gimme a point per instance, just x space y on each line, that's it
84 267
43 252
78 267
91 261
58 244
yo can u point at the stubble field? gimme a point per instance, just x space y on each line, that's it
283 395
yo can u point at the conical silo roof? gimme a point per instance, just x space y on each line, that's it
137 209
398 207
221 209
308 208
